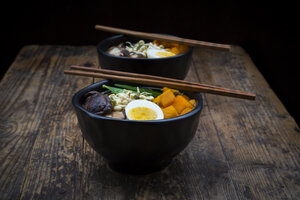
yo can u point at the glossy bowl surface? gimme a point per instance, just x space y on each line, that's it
136 147
173 67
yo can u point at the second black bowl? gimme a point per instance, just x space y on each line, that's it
172 67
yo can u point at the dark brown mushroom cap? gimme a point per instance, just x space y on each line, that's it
97 103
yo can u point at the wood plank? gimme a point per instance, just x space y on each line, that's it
260 139
31 116
242 149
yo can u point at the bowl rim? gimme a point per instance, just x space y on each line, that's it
100 50
80 93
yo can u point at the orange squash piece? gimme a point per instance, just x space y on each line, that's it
165 89
180 103
173 90
186 110
186 97
167 98
193 102
157 100
169 112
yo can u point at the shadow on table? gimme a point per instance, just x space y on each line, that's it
182 179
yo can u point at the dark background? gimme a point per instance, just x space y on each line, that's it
266 31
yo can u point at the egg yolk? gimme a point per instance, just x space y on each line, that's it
164 54
142 113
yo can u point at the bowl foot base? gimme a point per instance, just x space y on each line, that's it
135 169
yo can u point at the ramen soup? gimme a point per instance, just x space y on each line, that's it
134 103
155 49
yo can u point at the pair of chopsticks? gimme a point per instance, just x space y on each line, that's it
166 38
157 81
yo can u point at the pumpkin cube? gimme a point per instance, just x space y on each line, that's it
193 102
157 100
169 112
167 98
186 97
180 103
186 110
173 90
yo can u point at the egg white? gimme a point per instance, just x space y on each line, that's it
144 103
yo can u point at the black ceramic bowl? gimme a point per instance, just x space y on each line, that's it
172 67
136 147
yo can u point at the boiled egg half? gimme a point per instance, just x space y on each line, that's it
158 53
143 110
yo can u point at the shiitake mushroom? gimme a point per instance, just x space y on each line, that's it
97 103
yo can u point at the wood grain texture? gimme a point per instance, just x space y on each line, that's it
242 149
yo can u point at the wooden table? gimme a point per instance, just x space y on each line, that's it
242 149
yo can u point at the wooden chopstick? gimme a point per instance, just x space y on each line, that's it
166 38
185 86
121 73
